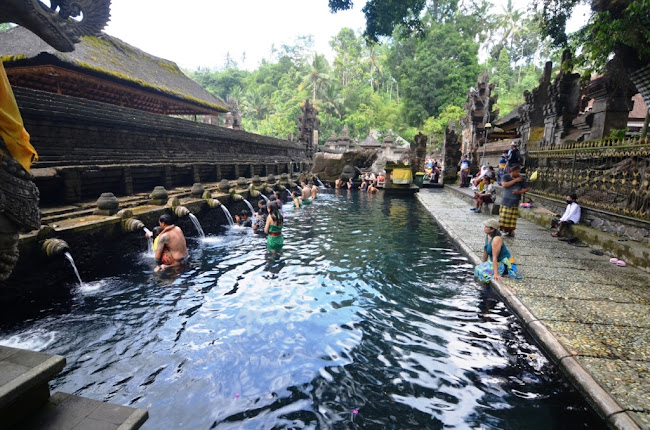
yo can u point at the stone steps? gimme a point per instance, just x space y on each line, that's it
25 401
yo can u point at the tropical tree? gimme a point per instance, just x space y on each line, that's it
318 75
443 66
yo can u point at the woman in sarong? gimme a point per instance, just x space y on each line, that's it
497 260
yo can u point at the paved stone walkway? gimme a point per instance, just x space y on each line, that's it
592 317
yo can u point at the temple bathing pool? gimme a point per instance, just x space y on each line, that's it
369 319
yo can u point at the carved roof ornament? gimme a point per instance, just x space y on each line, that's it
57 25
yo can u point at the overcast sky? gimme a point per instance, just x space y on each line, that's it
200 33
197 33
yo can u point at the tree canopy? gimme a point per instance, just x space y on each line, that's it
414 78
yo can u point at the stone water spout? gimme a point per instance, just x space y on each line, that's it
236 197
253 192
55 247
181 211
213 203
19 195
131 225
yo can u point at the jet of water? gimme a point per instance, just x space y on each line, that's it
266 199
231 222
197 225
250 206
150 249
76 272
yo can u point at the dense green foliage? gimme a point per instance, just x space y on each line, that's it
413 81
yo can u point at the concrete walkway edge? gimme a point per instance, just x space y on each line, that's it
602 401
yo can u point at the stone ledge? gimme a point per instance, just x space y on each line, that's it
67 412
634 253
21 370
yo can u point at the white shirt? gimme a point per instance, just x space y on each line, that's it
572 213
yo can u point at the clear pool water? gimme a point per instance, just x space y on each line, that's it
369 319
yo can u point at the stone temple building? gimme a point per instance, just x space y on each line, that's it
109 117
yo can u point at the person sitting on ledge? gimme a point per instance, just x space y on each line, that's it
173 239
497 260
243 219
571 216
487 195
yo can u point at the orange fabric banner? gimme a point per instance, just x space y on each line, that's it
12 129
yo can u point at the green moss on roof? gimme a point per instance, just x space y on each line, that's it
9 58
108 56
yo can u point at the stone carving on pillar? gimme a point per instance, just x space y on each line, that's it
480 109
419 153
18 194
451 154
233 118
563 102
228 120
308 125
612 102
531 127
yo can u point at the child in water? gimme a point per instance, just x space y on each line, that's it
166 258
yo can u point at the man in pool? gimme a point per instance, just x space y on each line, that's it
173 239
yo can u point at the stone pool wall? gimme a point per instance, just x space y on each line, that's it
87 148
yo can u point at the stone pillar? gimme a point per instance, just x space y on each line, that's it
251 168
127 181
167 177
196 173
451 153
218 170
237 169
71 185
610 112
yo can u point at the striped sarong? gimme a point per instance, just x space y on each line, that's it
508 217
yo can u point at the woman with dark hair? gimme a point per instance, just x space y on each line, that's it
274 223
297 203
497 260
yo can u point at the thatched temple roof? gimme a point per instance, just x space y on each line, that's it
105 69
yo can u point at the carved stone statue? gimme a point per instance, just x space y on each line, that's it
18 194
308 126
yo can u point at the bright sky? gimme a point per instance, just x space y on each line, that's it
200 33
197 33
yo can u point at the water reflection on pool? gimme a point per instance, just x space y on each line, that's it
369 319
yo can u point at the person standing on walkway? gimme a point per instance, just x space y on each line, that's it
463 164
497 260
571 215
503 161
514 156
514 186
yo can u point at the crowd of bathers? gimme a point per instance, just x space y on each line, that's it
170 247
368 182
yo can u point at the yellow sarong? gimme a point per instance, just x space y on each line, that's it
12 129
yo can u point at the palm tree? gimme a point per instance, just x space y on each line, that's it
255 104
332 101
318 75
